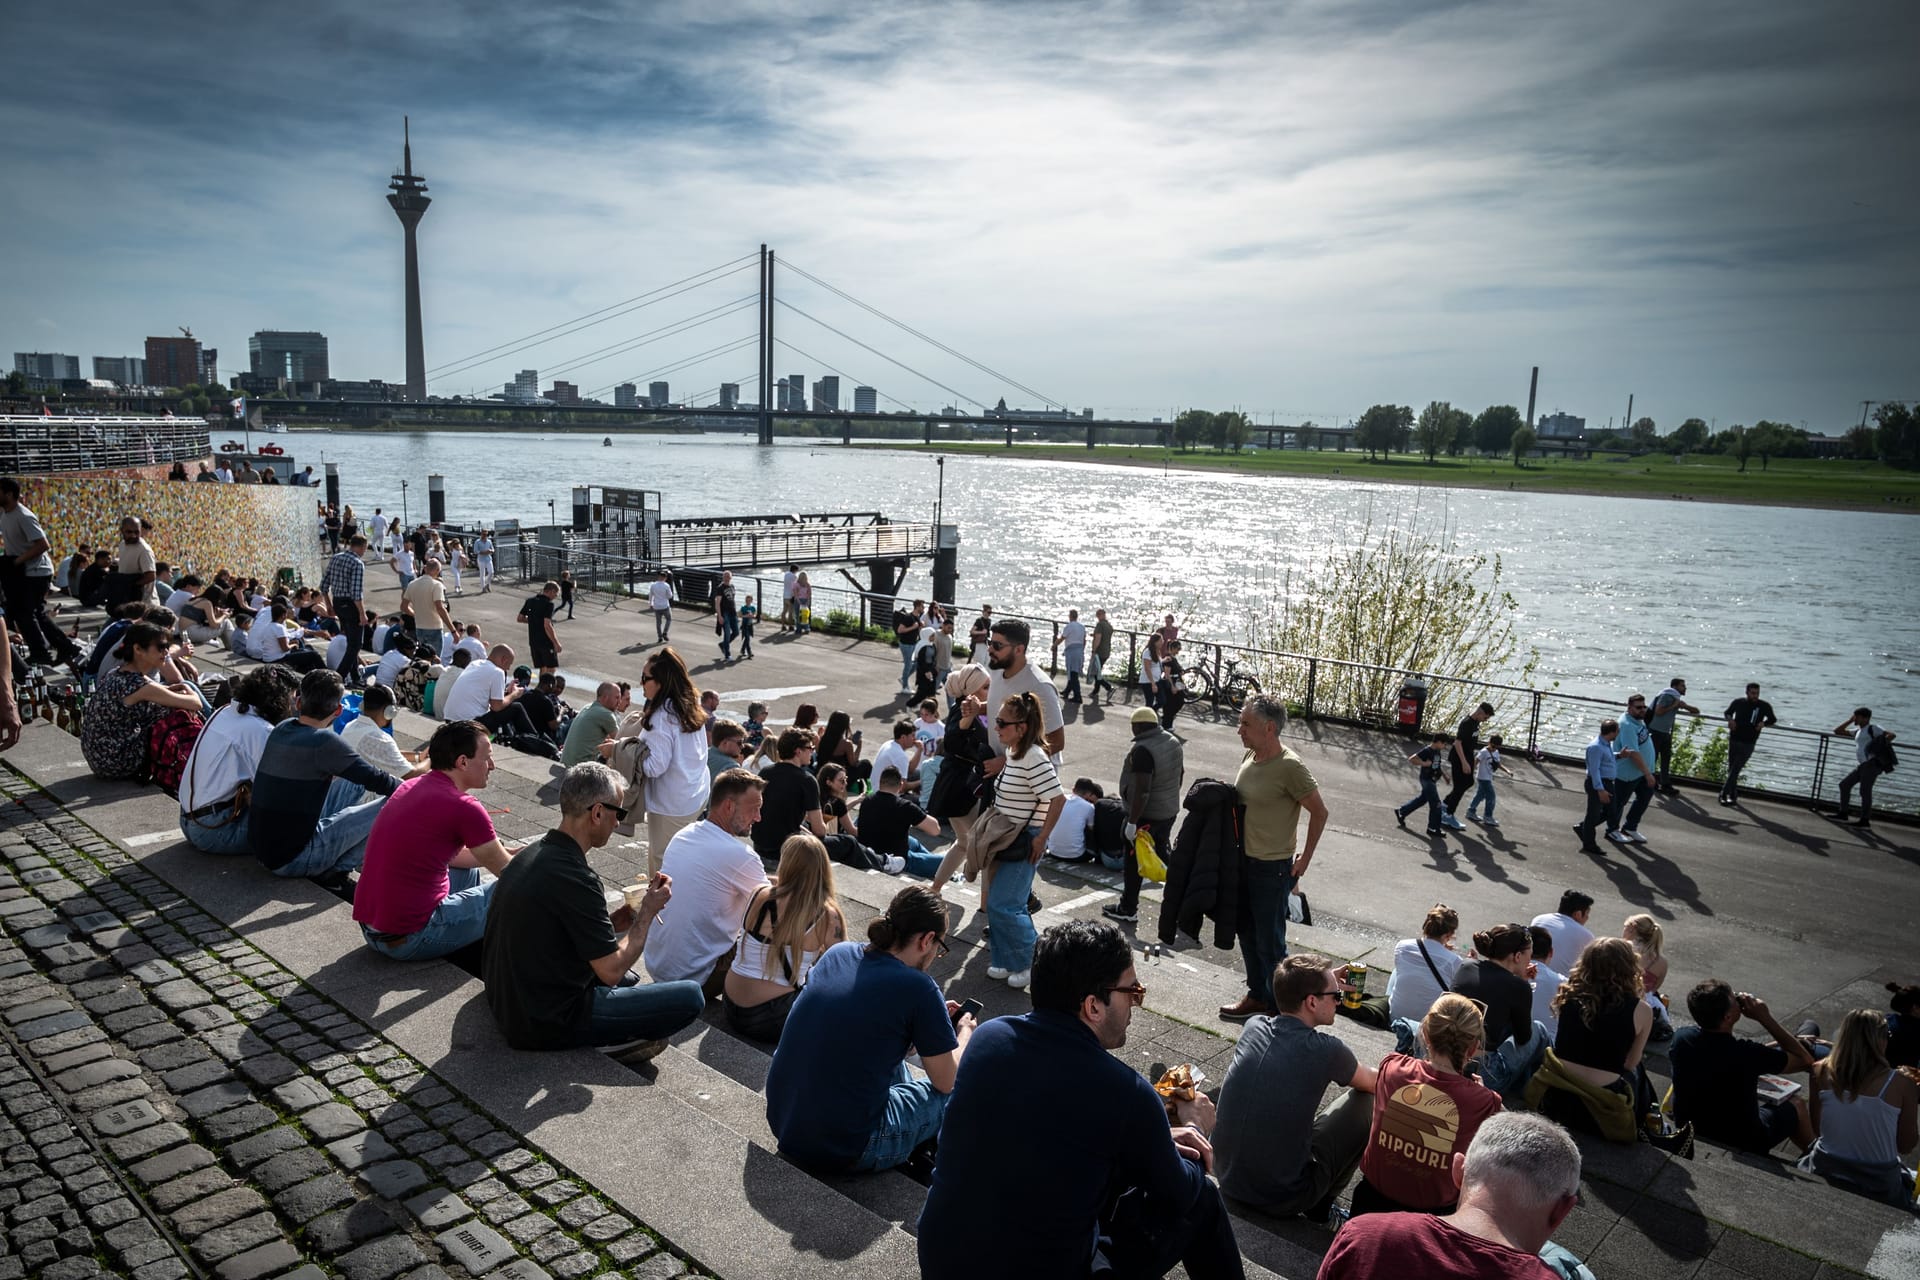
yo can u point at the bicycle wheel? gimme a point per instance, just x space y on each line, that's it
1199 682
1243 688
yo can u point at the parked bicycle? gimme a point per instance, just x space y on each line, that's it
1232 689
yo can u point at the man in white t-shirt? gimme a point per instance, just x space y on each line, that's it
1872 746
1009 673
1549 973
484 693
789 617
1568 926
660 600
377 530
1072 639
1068 840
402 562
714 873
393 662
902 754
367 734
472 643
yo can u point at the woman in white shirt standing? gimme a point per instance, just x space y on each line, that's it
674 728
213 810
1025 788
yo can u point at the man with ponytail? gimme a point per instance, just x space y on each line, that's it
840 1096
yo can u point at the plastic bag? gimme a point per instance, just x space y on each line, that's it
1151 868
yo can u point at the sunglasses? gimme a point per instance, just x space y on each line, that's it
619 812
1009 724
1135 994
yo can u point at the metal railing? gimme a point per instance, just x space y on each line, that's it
1789 762
38 445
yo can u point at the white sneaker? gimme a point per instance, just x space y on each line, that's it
895 864
1619 837
1490 823
1020 979
1635 836
998 974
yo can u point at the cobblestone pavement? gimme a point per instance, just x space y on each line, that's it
177 1104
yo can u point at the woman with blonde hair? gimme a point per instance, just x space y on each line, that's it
787 925
1867 1113
1604 1022
1644 932
673 727
1027 789
1423 1113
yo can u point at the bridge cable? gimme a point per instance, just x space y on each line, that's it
878 393
681 362
681 325
924 337
883 355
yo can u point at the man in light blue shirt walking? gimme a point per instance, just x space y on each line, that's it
1599 784
1633 756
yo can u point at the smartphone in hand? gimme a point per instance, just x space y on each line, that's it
973 1007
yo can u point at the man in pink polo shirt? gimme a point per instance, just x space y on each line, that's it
420 894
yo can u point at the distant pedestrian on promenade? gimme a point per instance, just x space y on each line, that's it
1669 702
483 560
726 615
344 583
1150 669
1633 774
1430 760
749 616
543 643
980 635
1073 639
1102 651
1746 717
566 592
1598 782
789 614
660 601
1460 766
803 604
907 624
1486 763
1873 753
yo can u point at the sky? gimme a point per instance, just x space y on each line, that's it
1296 208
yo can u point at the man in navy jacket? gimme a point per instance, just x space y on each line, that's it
1036 1179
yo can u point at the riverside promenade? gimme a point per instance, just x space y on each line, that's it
311 1108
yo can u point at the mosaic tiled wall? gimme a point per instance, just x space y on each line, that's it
252 529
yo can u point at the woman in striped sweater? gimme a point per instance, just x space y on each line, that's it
1028 787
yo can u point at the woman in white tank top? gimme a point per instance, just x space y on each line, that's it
787 925
1865 1112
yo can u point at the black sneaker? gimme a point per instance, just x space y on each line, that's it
1124 917
1400 818
634 1052
1033 905
1863 823
1841 815
1435 831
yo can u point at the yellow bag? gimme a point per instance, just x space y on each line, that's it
1148 858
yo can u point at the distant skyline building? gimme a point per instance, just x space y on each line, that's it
525 387
297 357
1561 426
563 392
729 395
47 365
178 362
657 394
796 400
623 396
826 395
125 371
866 400
409 200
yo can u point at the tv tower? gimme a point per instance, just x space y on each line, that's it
409 201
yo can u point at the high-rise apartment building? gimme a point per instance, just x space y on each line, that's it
826 395
657 394
866 400
623 396
46 365
729 395
563 392
125 371
297 357
173 362
525 387
796 393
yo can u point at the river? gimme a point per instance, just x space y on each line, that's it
1613 593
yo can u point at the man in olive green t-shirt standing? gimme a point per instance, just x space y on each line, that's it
1274 785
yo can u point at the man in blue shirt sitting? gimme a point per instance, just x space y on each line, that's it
1599 783
840 1096
1075 1181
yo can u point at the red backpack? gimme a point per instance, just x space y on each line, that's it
169 744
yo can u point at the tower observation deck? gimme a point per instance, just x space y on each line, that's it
408 196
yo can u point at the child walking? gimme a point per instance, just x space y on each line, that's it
749 614
1485 765
1432 763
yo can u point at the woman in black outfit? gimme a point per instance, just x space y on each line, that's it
1498 978
1604 1022
839 745
956 791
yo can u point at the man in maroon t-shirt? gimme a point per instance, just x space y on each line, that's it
420 893
1519 1179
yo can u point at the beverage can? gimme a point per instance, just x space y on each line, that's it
1356 985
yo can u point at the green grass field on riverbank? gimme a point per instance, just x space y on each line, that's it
1842 484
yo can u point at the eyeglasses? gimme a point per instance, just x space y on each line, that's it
1135 994
942 944
619 813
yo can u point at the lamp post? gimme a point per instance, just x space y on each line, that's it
403 504
940 496
550 515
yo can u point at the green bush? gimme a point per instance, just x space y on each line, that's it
1695 759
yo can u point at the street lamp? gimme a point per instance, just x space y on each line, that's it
550 515
403 504
940 497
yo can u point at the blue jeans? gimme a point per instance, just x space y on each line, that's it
1482 794
1508 1069
1430 797
1638 791
1076 653
430 637
729 628
406 580
923 864
340 841
228 839
1264 887
459 920
906 663
1013 932
914 1112
650 1011
929 770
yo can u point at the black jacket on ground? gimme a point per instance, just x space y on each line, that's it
1203 869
